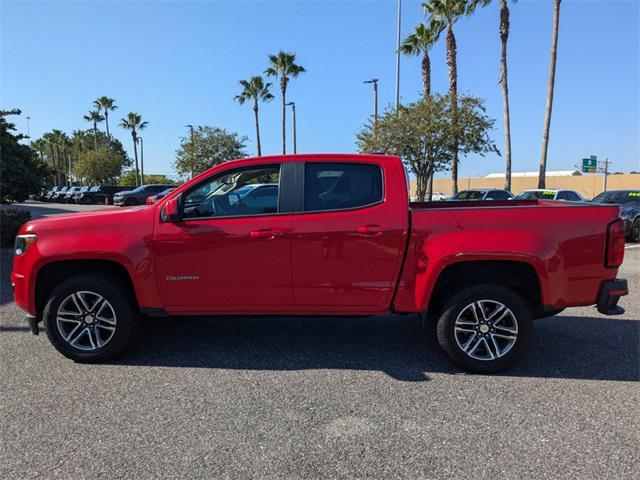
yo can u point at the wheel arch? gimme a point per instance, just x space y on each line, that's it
519 276
53 273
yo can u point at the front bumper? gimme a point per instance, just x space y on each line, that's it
118 201
610 293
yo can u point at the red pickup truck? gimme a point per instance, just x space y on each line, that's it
319 235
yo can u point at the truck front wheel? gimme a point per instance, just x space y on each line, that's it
88 318
485 328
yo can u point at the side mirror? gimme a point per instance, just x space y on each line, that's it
171 210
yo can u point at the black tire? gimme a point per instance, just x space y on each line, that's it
129 202
635 231
111 290
494 295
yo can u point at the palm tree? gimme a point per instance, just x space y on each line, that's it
419 43
547 114
134 122
443 14
255 89
504 36
95 117
58 142
283 65
106 105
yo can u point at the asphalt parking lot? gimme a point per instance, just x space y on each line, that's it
250 397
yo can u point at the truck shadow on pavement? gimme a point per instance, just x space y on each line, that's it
595 348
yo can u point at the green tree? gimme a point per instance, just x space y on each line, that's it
84 140
21 172
94 117
206 147
283 65
547 114
256 90
99 167
133 122
424 136
128 179
105 105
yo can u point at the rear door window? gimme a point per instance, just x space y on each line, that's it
340 186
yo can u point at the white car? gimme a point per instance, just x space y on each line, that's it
438 196
550 194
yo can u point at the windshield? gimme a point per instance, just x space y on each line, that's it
470 195
537 195
94 189
618 198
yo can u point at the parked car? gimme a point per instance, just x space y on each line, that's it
483 194
137 196
98 194
546 194
50 193
42 194
151 199
338 237
629 203
70 194
59 194
439 196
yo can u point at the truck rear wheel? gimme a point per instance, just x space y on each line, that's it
88 318
485 328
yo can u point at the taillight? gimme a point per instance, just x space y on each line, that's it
615 244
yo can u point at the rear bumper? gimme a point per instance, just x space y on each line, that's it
610 293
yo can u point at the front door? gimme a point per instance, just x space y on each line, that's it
232 247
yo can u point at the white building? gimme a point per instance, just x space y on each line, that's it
549 173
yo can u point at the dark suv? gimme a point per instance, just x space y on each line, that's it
138 195
98 194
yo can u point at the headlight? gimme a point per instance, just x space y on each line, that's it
23 242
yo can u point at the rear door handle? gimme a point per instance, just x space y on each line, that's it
370 230
266 233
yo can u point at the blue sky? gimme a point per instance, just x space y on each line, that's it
178 63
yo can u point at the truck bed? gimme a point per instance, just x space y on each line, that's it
563 242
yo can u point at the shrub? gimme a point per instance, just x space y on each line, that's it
10 222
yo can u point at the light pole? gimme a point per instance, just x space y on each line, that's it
293 109
192 148
374 81
398 57
141 161
28 133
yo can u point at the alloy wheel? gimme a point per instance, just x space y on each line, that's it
86 320
486 330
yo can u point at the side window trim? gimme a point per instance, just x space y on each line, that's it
284 206
300 188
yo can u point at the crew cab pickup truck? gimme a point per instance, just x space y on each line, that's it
319 235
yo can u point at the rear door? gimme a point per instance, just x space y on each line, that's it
349 237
